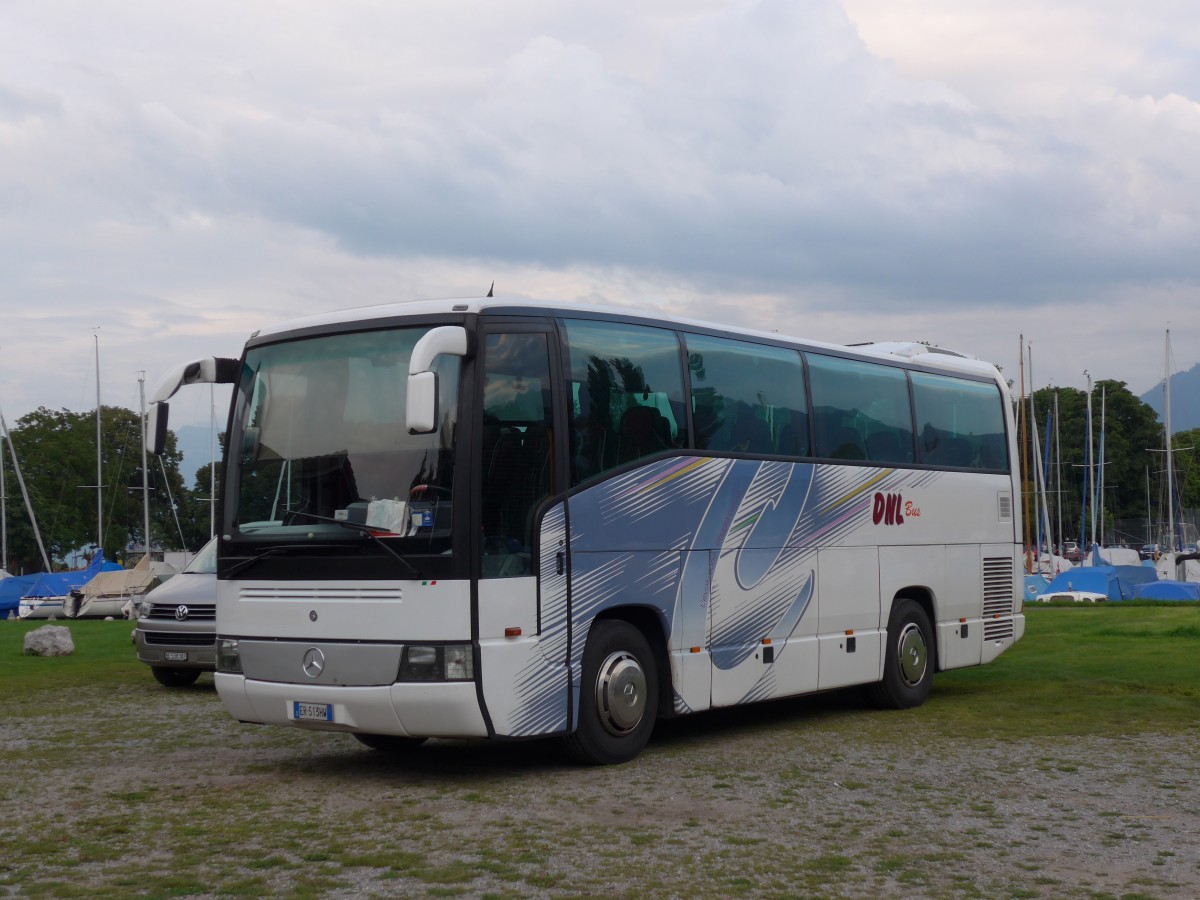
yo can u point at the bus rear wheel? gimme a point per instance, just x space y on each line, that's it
618 701
908 664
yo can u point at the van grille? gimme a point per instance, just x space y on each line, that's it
204 612
189 639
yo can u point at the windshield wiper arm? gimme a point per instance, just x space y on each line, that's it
369 532
272 551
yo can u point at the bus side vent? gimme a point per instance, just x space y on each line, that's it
1004 506
997 586
997 598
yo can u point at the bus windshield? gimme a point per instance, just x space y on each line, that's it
324 446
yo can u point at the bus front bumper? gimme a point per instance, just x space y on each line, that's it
438 709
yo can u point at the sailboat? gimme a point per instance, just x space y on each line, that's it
1179 574
52 593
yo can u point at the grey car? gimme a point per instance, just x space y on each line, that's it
176 633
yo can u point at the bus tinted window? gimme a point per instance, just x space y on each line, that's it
747 398
959 422
626 384
860 410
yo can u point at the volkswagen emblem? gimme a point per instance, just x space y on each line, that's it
181 612
314 662
312 615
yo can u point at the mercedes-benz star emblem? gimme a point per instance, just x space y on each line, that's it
314 662
181 612
312 615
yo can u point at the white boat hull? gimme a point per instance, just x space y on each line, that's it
41 607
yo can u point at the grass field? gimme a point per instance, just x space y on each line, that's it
1065 768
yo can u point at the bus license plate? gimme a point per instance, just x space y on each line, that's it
172 656
321 712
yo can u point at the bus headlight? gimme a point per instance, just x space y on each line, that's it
229 657
444 662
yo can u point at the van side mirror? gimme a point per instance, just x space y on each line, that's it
421 405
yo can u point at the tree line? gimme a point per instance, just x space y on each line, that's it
56 452
1133 458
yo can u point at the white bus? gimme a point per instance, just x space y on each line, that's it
503 519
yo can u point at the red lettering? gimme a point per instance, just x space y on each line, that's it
890 509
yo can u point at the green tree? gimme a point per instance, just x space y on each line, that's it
57 454
1131 428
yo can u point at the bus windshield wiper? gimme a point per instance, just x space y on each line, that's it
274 551
366 530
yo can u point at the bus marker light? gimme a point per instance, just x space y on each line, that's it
512 632
696 649
766 641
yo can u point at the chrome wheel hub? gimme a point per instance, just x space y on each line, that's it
912 655
621 693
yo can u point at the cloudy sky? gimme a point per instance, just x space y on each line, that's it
960 173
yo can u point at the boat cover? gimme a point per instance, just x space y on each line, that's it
59 584
12 589
1168 590
1115 582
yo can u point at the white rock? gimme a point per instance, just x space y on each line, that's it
49 640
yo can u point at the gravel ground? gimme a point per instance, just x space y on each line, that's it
159 792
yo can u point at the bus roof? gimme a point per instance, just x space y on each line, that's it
896 351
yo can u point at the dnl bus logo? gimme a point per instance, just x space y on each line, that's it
888 509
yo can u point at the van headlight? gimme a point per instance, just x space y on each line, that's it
229 657
437 662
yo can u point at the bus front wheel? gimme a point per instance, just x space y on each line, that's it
908 664
618 701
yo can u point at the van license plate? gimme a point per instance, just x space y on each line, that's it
175 657
321 712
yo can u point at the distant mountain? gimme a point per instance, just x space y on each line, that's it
195 443
1185 399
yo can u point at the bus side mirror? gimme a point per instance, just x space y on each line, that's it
421 404
156 427
210 370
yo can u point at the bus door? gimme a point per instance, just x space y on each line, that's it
520 534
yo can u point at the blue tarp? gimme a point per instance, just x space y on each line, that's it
12 590
59 584
1035 585
1114 582
1168 590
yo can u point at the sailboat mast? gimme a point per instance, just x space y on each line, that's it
1098 505
1024 459
1058 472
25 493
3 514
1091 469
145 470
99 458
1170 548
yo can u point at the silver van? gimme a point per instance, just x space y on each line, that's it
176 633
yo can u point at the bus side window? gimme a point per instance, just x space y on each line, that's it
627 386
746 397
960 422
864 410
